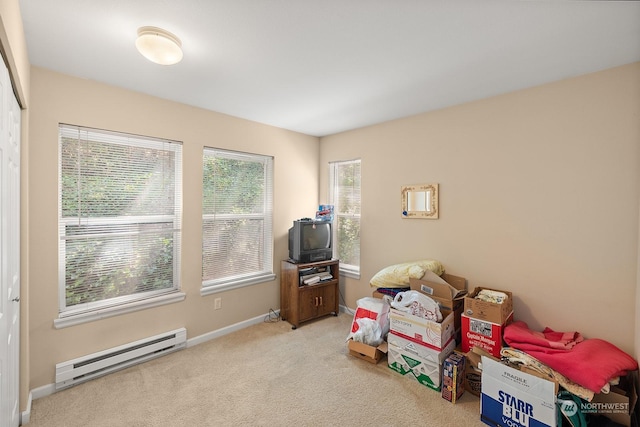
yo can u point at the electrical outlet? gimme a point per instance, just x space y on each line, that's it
217 303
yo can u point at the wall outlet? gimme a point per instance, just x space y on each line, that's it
217 303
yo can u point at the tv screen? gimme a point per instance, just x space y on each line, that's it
310 241
316 236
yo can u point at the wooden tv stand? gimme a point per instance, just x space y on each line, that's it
299 302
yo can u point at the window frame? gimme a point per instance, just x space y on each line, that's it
266 274
348 270
89 311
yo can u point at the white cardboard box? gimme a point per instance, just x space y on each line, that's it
514 398
422 351
427 371
422 331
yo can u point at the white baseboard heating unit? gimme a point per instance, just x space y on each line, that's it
94 365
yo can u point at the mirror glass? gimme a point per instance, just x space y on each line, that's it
420 201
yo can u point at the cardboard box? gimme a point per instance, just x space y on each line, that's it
473 370
422 331
367 352
618 405
514 398
483 334
453 369
377 294
422 351
447 290
472 379
426 371
488 311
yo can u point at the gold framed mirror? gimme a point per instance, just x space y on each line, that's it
420 201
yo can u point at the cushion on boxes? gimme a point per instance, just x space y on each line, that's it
398 275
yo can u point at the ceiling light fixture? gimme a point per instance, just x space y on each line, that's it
159 46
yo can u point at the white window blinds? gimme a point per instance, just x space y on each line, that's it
119 218
237 211
344 194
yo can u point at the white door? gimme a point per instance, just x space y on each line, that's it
9 253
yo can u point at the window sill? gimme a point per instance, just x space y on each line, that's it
90 316
210 287
353 274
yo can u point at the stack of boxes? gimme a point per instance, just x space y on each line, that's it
483 322
423 350
417 347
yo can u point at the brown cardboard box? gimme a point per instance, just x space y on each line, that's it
488 311
447 290
377 294
618 405
366 352
473 379
473 370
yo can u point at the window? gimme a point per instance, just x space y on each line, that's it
344 194
237 212
119 220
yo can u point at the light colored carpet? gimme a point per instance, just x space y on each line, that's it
264 375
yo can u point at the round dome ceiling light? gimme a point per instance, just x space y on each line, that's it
159 46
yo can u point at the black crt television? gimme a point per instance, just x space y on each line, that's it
310 241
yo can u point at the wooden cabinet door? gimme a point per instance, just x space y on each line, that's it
308 303
326 300
317 301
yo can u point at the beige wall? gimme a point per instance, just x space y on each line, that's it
539 195
57 98
14 48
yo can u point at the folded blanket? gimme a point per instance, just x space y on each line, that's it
519 357
392 291
591 363
548 339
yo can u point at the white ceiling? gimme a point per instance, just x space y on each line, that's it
324 66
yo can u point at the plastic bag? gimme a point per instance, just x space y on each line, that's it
418 304
375 309
369 332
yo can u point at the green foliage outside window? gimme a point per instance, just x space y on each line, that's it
347 182
349 242
110 193
233 216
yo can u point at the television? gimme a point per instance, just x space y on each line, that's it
310 241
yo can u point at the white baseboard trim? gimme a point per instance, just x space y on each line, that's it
49 389
345 309
228 329
34 394
43 391
25 416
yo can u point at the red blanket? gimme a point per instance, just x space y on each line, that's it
592 363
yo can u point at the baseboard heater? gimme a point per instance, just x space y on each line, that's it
94 365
